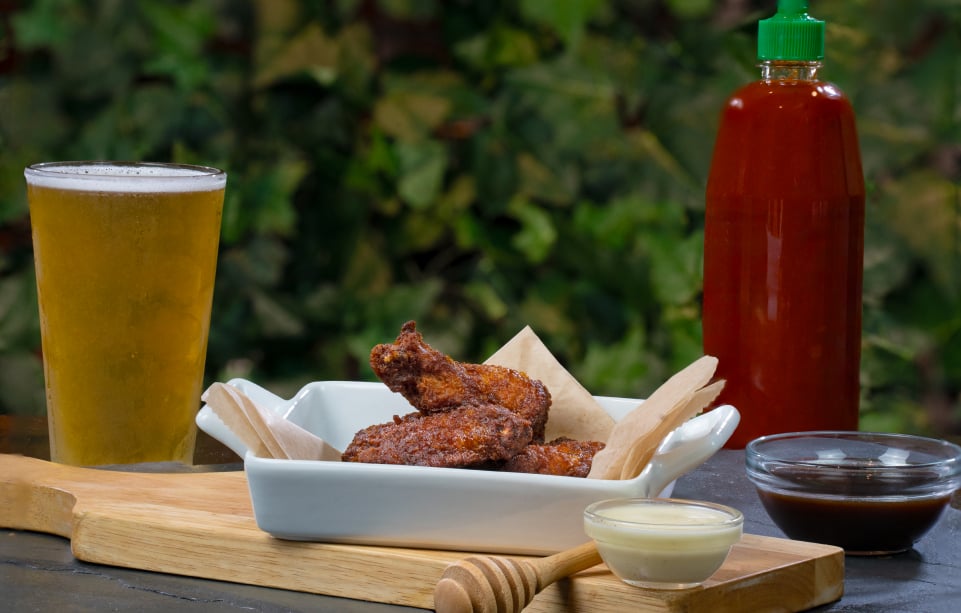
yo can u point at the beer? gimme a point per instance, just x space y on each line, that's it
125 259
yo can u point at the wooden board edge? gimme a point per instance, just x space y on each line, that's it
25 506
259 559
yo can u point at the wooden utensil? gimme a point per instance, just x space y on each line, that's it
497 584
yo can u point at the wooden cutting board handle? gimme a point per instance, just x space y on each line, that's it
200 525
47 497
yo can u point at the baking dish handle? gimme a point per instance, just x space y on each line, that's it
686 448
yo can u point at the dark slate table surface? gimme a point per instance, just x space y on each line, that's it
38 573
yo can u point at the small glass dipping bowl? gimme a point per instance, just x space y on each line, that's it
868 493
662 543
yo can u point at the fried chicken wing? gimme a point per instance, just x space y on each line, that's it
434 382
464 437
468 415
513 389
562 456
428 379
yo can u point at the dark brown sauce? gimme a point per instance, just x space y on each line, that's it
857 526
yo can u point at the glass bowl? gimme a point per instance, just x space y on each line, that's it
662 543
868 493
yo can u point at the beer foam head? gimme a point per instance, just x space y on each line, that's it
128 177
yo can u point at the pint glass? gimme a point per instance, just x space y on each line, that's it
125 257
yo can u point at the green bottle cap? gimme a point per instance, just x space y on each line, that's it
791 34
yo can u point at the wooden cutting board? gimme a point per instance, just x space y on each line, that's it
201 525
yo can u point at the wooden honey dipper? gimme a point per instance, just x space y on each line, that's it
497 584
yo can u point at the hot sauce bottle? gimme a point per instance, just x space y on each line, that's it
784 241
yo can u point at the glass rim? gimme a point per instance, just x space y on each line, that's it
756 451
107 175
51 168
729 517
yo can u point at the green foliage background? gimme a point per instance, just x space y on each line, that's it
479 166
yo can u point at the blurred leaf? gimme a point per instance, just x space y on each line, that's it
357 63
886 263
19 318
30 119
47 22
894 414
409 9
495 167
21 384
684 338
618 370
311 52
134 128
368 275
925 210
612 225
648 142
499 47
268 197
13 207
689 9
568 18
410 116
277 19
565 84
422 167
484 296
676 267
179 33
926 312
542 183
276 319
537 235
261 263
951 353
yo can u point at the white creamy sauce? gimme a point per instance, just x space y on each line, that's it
666 515
664 543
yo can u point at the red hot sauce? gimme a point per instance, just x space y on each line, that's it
783 253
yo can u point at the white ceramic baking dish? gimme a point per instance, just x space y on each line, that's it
439 508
